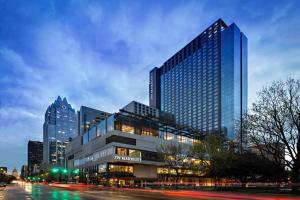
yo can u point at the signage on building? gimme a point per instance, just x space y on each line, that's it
127 158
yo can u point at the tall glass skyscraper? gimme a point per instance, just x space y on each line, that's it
205 83
60 125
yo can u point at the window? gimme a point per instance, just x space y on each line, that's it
127 129
149 132
101 129
92 133
102 168
85 138
121 151
110 123
120 168
134 153
169 136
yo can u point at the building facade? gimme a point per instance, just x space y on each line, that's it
35 156
89 117
15 173
124 149
148 111
59 127
205 83
3 170
24 172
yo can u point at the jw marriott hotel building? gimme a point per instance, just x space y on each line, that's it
205 83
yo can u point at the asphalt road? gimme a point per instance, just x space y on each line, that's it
43 192
27 191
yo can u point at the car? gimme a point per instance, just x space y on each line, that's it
2 184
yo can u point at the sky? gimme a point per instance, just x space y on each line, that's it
99 53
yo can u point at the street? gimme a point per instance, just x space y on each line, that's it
21 190
43 192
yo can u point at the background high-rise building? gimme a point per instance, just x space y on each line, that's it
35 156
205 84
59 127
24 172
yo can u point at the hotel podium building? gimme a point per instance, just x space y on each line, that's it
125 147
205 83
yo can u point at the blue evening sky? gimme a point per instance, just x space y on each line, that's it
99 53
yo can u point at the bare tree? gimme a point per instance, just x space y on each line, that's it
274 122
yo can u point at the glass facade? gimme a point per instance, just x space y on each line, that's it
132 124
233 78
88 118
201 84
59 126
35 156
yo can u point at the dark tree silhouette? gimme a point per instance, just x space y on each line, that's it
274 122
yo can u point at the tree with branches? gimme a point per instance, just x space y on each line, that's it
214 154
274 125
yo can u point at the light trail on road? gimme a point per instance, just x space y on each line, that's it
36 191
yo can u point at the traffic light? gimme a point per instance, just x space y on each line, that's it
64 171
54 170
76 171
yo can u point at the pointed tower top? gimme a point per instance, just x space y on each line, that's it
58 98
65 100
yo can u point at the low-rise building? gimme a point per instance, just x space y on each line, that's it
3 170
125 148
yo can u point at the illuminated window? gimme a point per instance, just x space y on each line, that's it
161 170
102 168
149 132
135 153
127 129
121 151
121 168
169 136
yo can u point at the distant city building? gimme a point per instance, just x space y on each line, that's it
3 170
24 172
124 148
15 173
88 117
35 156
59 127
205 83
